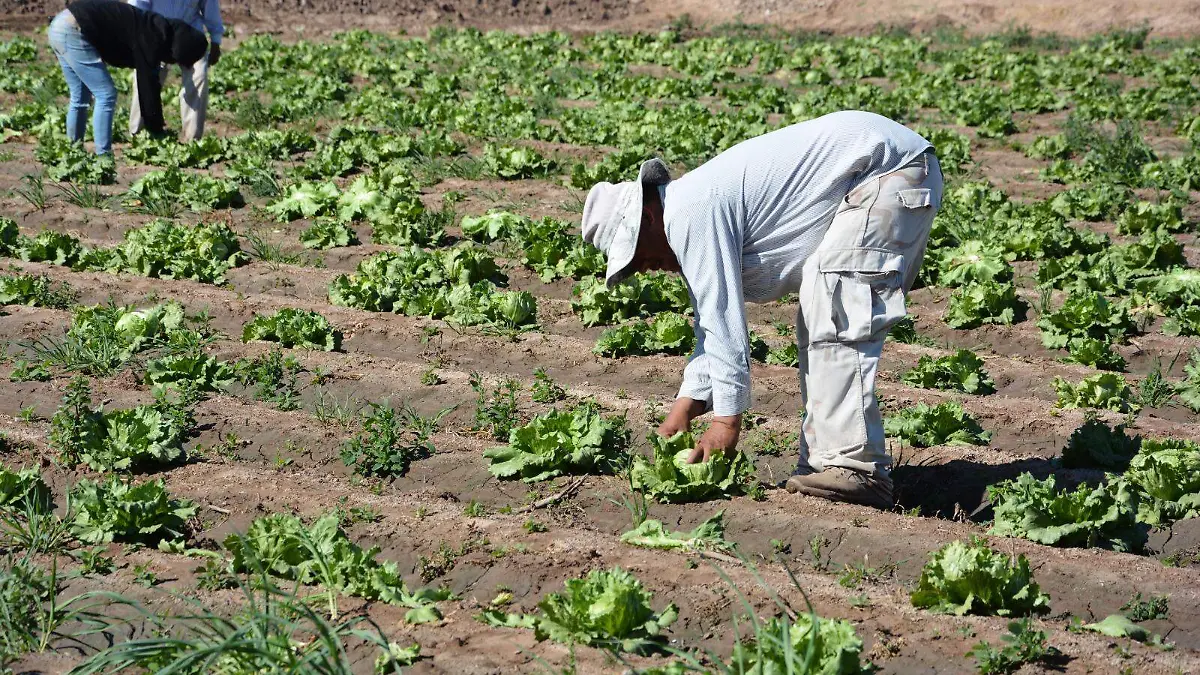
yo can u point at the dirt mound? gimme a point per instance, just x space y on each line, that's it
322 15
1165 18
1068 17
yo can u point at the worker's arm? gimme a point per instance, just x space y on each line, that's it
695 394
720 371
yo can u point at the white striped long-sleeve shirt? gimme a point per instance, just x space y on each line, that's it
742 225
203 15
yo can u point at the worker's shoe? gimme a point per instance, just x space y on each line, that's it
840 484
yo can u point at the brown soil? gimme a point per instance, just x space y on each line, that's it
1166 18
289 462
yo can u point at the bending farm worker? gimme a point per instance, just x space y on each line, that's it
90 35
837 209
203 15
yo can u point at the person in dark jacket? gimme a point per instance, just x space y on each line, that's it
90 35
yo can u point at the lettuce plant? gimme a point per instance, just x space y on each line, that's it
609 609
1085 314
117 510
665 333
925 425
1108 391
1094 444
962 371
971 578
575 441
810 644
709 535
1102 516
1166 474
644 295
669 478
974 304
292 327
321 553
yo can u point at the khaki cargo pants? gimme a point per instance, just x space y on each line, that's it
193 100
852 291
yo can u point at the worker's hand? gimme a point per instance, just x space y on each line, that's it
683 411
673 425
722 436
214 53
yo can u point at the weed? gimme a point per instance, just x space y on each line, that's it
862 600
780 547
75 422
331 412
145 576
92 560
214 574
1154 607
495 413
444 559
357 514
855 575
29 414
84 196
33 190
546 390
273 377
474 510
273 631
35 529
100 350
1155 390
160 205
816 547
430 378
252 114
1023 645
636 503
34 617
905 332
390 440
771 443
1043 305
225 447
531 526
274 255
24 371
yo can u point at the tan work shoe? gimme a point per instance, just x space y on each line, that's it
840 484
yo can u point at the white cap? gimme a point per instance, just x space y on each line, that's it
612 217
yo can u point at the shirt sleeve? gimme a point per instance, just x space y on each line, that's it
709 251
212 21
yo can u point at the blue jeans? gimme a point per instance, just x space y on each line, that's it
87 78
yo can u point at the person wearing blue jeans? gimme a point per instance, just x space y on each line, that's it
87 78
90 35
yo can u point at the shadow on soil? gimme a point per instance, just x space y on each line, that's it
958 486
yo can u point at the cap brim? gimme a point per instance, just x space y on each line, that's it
652 172
624 244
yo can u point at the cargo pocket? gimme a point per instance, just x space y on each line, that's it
862 294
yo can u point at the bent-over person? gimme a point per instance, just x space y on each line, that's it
837 209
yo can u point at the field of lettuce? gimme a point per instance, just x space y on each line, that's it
337 389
